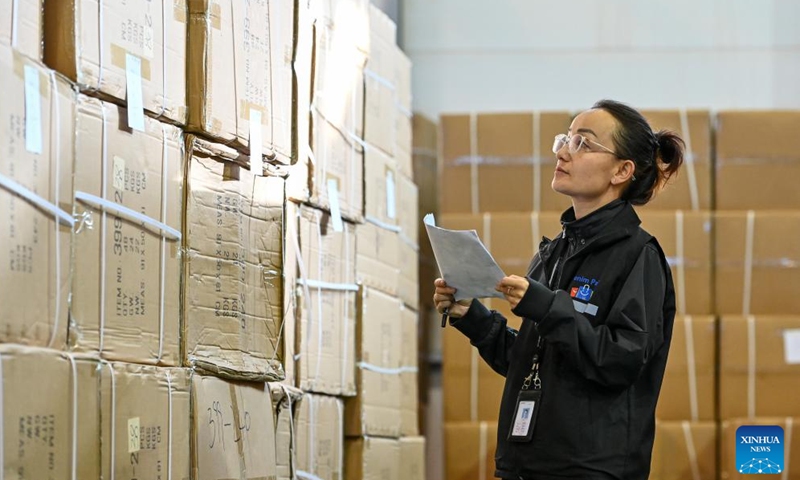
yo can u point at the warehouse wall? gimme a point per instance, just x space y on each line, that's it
550 54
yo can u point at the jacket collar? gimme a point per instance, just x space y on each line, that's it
607 224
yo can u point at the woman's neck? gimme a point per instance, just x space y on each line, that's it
583 207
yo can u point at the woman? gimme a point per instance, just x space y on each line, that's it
584 371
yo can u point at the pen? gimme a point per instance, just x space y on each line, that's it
445 314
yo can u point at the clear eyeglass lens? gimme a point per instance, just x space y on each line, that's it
575 143
559 142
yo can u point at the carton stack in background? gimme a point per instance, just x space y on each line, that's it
757 222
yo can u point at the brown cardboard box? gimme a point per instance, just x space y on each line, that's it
412 458
689 388
759 366
320 437
233 269
325 315
90 42
469 450
376 409
380 109
21 27
145 421
729 466
378 257
409 401
34 259
381 184
240 65
686 239
486 155
50 410
126 263
332 47
285 403
404 128
692 188
684 450
371 458
757 262
233 430
757 145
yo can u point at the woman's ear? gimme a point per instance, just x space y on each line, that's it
625 171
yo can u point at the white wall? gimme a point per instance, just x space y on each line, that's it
510 55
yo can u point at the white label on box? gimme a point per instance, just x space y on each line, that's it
336 213
256 159
118 179
134 441
33 111
791 345
391 199
133 83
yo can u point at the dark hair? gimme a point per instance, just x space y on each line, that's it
657 155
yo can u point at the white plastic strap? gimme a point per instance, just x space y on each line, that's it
169 426
113 419
340 423
681 263
403 110
355 138
74 450
690 170
320 285
103 216
2 424
36 200
14 22
312 437
56 147
234 69
473 385
346 323
482 450
319 304
128 214
383 225
748 262
787 447
164 62
473 160
751 366
164 201
303 281
687 435
307 475
535 231
100 37
691 367
383 81
386 371
537 161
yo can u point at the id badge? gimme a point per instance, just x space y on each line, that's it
525 415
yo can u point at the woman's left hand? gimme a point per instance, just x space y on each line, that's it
513 289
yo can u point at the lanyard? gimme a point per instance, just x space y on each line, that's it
533 375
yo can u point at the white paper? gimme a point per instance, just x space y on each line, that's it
336 213
791 345
133 83
33 111
256 158
391 202
464 261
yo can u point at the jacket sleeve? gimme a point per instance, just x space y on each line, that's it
613 353
489 333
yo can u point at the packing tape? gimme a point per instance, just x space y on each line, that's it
386 371
691 367
14 23
681 262
386 226
751 366
320 285
55 146
787 447
537 161
690 450
473 161
74 386
747 284
113 418
169 426
37 200
128 214
483 450
103 216
691 175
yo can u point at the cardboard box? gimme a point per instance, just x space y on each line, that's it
34 259
757 145
409 401
412 458
376 409
331 51
99 44
469 450
756 262
486 154
692 188
686 239
408 283
126 244
21 27
285 405
233 430
380 109
325 304
369 458
381 184
404 128
688 391
47 426
378 257
759 366
233 269
240 71
684 450
320 437
730 465
145 421
408 210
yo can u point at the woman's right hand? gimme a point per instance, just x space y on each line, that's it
444 298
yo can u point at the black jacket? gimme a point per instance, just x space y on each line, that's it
601 297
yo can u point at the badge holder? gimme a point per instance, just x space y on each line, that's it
528 401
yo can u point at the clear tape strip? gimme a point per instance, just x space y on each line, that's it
36 200
751 366
386 371
691 367
690 450
128 214
747 284
691 175
473 166
680 267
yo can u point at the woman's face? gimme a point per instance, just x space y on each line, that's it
592 172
